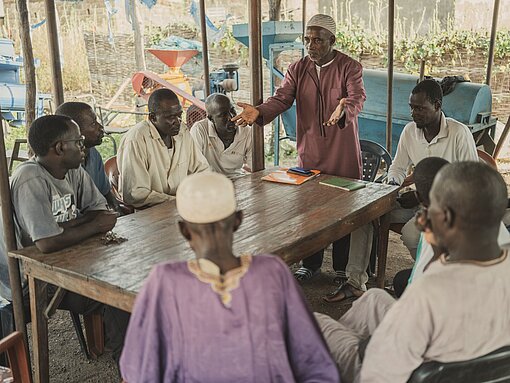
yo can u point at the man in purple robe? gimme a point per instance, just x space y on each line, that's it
327 86
221 318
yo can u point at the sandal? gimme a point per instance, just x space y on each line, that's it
304 274
340 277
342 293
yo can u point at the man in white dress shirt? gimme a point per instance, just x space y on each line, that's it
430 134
226 147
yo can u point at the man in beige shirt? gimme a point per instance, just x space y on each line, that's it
156 155
226 147
458 310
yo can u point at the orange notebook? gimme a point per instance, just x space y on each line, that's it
281 176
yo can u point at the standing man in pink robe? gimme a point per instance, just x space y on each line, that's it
327 86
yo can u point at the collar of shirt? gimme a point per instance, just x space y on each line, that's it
443 132
154 133
211 268
211 132
325 65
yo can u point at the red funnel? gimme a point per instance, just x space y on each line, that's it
174 58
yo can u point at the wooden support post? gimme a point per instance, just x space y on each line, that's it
422 70
391 28
137 35
303 6
382 250
205 48
490 60
10 241
28 62
57 84
139 51
255 32
502 139
38 302
94 331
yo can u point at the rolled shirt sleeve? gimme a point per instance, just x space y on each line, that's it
281 101
356 94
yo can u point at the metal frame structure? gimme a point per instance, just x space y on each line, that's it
255 49
274 51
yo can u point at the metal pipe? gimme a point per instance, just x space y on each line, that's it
57 87
391 29
205 49
10 241
255 39
490 60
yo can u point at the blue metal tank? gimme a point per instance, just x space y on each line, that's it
12 91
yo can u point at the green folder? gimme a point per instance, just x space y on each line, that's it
343 183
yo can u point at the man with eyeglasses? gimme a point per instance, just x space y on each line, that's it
57 205
327 88
226 147
55 202
457 310
427 250
93 132
156 155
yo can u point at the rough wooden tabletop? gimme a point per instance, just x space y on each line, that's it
287 220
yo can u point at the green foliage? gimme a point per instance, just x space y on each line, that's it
448 44
355 41
229 45
106 148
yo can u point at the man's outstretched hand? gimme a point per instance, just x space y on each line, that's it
337 114
247 116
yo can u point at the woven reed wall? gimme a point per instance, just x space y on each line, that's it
111 64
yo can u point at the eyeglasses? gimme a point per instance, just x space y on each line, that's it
80 141
422 220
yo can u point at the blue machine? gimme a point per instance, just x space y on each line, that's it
469 103
224 80
277 37
12 91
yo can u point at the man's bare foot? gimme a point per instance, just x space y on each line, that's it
343 292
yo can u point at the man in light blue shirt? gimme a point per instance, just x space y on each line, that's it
93 131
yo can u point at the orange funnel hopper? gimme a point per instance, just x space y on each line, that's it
174 58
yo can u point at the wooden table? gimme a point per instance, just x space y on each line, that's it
290 221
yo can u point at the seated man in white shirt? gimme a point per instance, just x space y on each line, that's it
458 310
156 155
226 146
430 134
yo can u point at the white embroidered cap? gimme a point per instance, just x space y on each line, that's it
322 21
205 198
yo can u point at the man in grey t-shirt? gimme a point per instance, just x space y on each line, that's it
56 204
